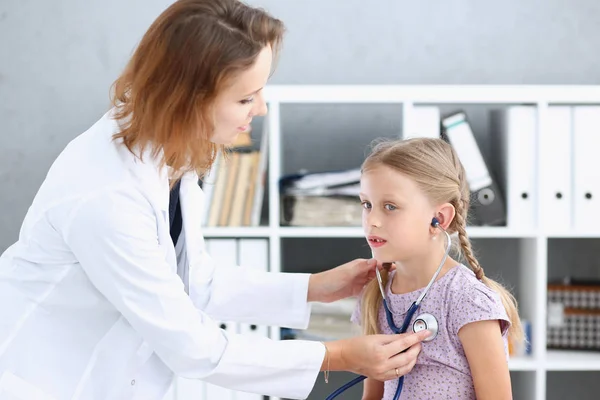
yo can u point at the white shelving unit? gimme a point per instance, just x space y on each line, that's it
534 241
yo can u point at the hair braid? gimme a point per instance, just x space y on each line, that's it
465 243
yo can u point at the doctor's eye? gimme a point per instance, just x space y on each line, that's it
366 205
390 207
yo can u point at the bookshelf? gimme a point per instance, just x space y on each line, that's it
530 372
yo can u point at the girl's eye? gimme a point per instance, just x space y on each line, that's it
247 101
390 207
366 205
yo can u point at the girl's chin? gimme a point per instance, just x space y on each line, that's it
384 257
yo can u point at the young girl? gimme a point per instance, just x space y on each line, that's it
404 185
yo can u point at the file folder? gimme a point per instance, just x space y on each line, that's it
556 156
514 143
253 253
586 174
223 251
424 121
487 203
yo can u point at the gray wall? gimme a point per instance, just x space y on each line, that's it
425 42
58 59
57 62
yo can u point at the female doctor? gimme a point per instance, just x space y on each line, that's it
109 293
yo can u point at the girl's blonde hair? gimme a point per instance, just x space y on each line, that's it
435 167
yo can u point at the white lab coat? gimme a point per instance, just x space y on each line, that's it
92 308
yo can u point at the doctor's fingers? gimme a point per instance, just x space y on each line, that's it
399 343
402 370
405 361
398 365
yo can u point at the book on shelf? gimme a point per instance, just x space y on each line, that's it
234 187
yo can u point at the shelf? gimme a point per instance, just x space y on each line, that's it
238 232
522 363
422 94
499 232
357 232
531 251
565 360
323 232
574 234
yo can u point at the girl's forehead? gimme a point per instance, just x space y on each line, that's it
386 177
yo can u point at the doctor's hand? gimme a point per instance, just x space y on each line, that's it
344 281
380 357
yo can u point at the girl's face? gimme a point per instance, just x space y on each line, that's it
396 215
243 99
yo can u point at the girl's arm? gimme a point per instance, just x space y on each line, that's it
484 348
372 389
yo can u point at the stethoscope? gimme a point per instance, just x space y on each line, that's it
422 322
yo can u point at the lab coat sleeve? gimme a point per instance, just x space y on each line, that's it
113 235
250 295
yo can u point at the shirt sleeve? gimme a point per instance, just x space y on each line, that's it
276 298
478 303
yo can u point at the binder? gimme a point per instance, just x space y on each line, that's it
586 175
224 252
514 140
253 253
247 253
556 157
487 204
424 121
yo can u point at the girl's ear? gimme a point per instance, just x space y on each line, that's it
445 215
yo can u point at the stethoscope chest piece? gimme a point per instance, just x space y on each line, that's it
426 321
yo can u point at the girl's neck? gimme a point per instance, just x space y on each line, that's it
415 273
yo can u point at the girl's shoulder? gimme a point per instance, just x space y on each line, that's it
470 300
462 279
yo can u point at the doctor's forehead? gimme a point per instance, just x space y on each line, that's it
253 79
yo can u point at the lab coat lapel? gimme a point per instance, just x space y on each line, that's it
154 182
192 204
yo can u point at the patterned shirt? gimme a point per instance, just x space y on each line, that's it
442 370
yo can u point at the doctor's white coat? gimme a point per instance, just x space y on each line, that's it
92 308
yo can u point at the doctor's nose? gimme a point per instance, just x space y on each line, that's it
260 108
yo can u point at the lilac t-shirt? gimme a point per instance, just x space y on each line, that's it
442 370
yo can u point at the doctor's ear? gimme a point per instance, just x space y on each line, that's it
445 215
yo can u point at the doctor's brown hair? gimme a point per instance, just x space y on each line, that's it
436 169
191 51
